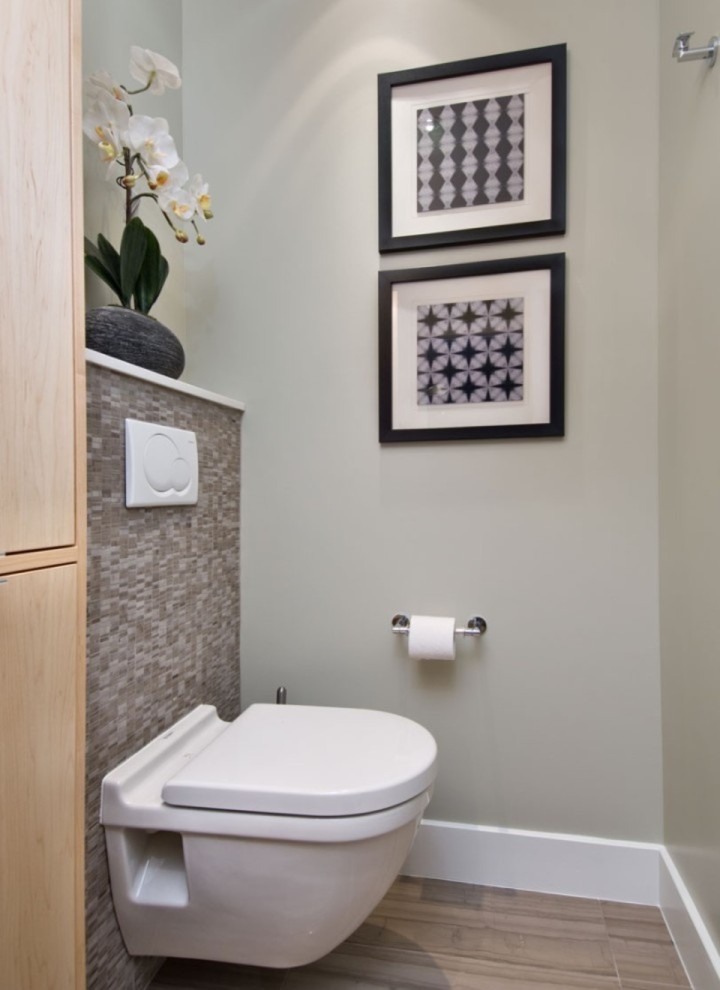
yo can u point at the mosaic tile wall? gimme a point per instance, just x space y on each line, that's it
163 614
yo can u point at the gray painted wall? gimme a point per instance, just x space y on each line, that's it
553 721
690 469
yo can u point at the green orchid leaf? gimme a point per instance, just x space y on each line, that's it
164 272
132 254
91 249
110 258
95 265
148 284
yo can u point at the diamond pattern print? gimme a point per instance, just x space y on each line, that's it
470 352
471 154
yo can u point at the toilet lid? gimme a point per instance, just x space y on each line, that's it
304 760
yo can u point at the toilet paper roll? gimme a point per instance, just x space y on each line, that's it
431 637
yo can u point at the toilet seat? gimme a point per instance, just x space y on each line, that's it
133 793
307 761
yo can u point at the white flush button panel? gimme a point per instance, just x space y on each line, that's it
161 465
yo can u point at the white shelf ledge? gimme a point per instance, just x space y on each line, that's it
132 371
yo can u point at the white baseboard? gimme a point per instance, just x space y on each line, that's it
700 956
572 865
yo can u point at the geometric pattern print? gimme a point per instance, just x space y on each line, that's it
470 154
470 352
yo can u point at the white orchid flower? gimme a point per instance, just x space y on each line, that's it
107 123
154 71
182 203
178 201
103 82
199 192
142 146
166 179
149 137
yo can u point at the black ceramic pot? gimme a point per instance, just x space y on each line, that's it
136 338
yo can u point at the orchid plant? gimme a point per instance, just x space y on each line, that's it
150 168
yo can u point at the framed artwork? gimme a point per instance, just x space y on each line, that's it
473 351
473 151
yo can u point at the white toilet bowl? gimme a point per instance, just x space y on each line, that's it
266 840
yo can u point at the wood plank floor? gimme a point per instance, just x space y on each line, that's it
435 935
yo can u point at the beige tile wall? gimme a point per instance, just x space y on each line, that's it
163 614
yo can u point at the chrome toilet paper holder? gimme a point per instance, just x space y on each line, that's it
476 626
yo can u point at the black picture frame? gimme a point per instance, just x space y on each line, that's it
420 305
536 158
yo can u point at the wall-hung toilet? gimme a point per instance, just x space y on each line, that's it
266 840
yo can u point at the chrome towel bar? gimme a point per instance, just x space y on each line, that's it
684 53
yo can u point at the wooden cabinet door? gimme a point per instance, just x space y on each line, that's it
36 277
38 780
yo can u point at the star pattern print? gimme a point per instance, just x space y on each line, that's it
470 352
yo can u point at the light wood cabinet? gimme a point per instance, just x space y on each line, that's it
42 499
37 475
38 651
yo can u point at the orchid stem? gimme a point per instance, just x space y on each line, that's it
170 224
128 194
144 89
